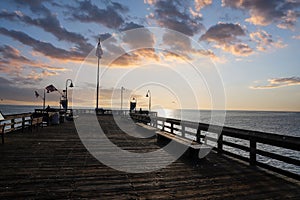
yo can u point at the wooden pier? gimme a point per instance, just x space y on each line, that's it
52 163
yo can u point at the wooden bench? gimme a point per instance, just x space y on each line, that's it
185 141
193 146
149 128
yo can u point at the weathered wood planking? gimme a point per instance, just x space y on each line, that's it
53 163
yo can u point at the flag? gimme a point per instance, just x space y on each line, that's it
36 94
99 51
50 88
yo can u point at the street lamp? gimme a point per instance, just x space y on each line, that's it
122 89
149 96
71 85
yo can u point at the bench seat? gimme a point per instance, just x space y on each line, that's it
181 140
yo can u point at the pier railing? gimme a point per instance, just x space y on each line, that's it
266 150
14 122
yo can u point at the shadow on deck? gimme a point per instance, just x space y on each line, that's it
53 163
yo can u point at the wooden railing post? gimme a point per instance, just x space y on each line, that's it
2 134
172 127
252 151
182 130
23 123
198 135
12 126
220 143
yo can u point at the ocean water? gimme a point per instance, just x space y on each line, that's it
16 109
283 123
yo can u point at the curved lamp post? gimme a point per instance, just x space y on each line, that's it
71 85
149 96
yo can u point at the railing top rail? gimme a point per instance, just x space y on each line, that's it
15 116
236 132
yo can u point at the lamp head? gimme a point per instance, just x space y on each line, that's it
147 95
71 85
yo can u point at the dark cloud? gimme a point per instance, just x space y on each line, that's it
172 15
180 46
130 26
110 16
43 47
223 33
9 53
226 37
36 6
265 12
103 36
279 82
135 36
51 24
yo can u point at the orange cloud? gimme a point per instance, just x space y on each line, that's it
279 82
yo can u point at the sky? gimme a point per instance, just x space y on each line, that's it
194 54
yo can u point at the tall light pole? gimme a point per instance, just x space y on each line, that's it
149 96
44 100
122 89
99 53
71 85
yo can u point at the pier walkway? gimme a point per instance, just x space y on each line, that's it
52 163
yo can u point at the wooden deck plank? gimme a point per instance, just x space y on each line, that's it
53 163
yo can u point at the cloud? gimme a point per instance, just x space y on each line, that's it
226 37
172 15
265 41
297 37
264 12
199 4
45 48
132 47
136 36
240 49
279 82
223 33
23 70
36 6
51 24
110 16
181 47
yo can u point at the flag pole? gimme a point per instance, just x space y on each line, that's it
97 101
99 53
44 100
